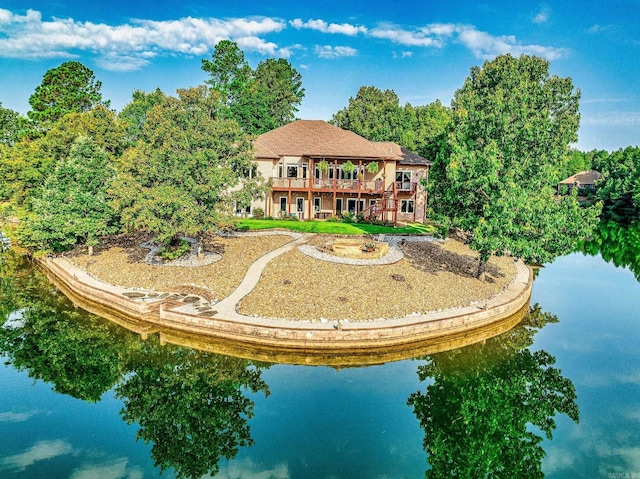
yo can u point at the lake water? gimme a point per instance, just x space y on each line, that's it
80 397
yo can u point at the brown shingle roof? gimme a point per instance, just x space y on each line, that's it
317 138
583 178
407 157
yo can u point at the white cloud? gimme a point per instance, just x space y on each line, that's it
612 118
422 37
128 46
484 45
595 29
114 469
11 417
327 51
324 27
132 45
40 451
247 469
543 15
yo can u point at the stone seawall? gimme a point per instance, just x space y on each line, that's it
289 335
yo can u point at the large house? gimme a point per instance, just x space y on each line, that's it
585 182
317 170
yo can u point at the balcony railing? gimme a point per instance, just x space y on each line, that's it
326 184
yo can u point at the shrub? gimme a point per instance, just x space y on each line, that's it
258 213
174 250
348 217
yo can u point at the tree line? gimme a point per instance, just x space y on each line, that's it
74 170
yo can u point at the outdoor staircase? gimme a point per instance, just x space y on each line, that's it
388 202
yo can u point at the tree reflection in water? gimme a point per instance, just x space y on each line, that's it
192 406
617 243
478 414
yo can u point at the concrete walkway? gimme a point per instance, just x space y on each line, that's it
227 307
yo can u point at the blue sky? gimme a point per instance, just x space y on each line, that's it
422 50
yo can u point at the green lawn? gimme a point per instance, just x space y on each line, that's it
327 227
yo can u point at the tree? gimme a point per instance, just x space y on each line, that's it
373 114
278 86
134 114
28 163
620 182
73 206
425 128
259 100
71 87
378 116
494 178
229 72
478 412
187 170
12 126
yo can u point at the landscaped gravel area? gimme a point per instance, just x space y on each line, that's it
295 286
125 266
433 276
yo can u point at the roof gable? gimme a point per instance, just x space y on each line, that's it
583 178
319 139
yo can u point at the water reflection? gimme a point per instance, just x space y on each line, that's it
617 243
192 406
478 413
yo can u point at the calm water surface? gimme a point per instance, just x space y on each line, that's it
558 396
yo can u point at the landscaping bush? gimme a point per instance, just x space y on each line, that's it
258 213
175 250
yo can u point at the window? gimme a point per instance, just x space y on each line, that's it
292 171
403 180
339 206
317 204
305 168
283 203
406 206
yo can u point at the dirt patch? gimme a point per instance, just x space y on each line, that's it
432 257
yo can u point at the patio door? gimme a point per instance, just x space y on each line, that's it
300 207
352 205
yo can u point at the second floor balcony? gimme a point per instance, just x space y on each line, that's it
376 186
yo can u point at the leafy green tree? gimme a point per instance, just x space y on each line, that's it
259 100
620 182
73 206
190 405
12 126
495 177
378 116
30 161
373 114
279 87
229 72
478 412
69 88
187 170
425 128
134 114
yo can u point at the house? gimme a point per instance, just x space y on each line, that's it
317 170
585 182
